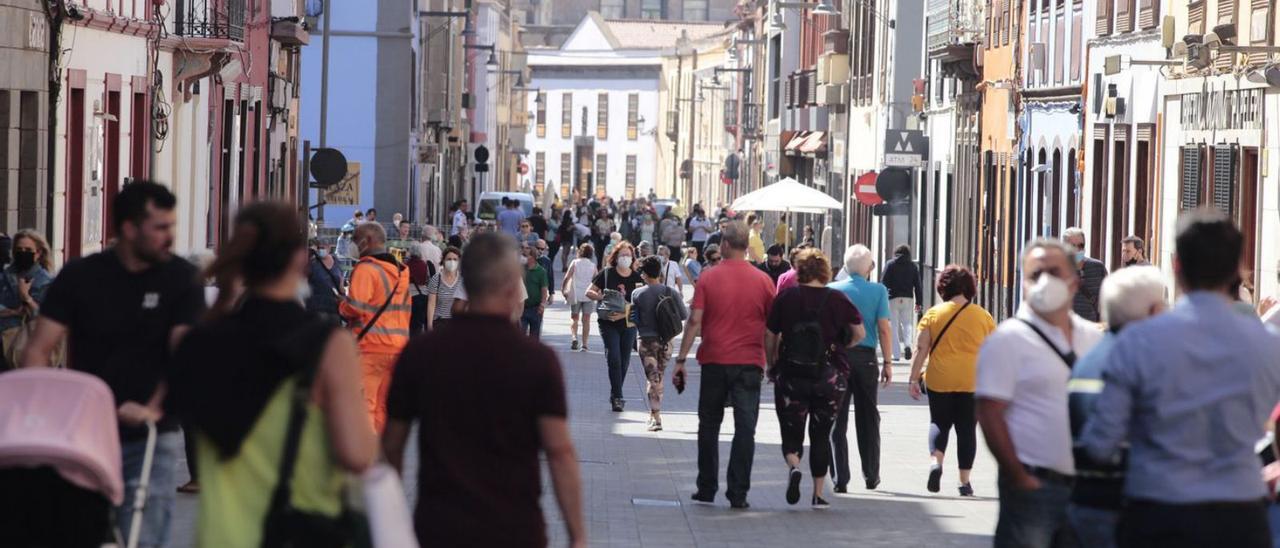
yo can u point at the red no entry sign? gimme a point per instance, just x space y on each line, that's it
864 189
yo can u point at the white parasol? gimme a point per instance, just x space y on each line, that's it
787 195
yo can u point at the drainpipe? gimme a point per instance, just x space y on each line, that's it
54 19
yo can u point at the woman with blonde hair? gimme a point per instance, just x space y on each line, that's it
22 287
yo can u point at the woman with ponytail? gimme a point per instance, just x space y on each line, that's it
235 382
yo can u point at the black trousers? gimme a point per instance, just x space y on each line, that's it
949 410
738 385
40 509
864 387
417 314
1236 524
813 400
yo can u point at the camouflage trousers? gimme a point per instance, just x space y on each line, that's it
654 355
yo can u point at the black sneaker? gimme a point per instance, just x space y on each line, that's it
793 487
935 478
819 503
739 504
873 483
906 353
704 498
966 490
842 489
616 404
573 345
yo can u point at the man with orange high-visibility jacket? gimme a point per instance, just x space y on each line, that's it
377 309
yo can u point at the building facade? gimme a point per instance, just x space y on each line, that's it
25 187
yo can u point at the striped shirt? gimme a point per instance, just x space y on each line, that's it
444 295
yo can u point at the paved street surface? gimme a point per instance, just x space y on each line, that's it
637 484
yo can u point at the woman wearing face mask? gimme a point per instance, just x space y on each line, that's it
23 284
441 288
612 284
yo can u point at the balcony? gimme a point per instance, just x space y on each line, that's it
751 120
217 19
803 87
954 30
731 115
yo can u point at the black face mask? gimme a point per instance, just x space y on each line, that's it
23 260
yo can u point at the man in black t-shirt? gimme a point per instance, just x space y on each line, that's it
123 311
488 400
775 266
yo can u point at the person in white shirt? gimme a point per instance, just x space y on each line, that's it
672 273
459 227
574 287
1023 370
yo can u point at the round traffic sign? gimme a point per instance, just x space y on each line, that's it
482 154
328 166
524 168
894 184
864 189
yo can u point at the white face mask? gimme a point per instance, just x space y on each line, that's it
1048 294
451 265
624 262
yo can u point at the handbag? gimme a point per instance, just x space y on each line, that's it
614 301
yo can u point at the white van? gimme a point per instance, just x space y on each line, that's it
491 203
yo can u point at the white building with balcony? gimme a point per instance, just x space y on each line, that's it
594 117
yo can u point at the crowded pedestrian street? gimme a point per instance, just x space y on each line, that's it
636 484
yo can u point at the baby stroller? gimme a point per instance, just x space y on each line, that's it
60 461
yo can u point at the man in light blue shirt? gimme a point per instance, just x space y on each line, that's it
1190 391
872 301
510 217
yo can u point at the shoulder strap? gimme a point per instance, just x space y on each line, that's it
391 295
1068 358
299 348
934 346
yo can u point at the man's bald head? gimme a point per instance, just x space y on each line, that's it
370 238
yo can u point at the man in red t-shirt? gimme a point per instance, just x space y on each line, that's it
730 305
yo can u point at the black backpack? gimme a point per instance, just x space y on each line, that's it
667 315
803 347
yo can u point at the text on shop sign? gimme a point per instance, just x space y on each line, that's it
1222 109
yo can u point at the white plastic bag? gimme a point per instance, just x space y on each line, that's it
387 508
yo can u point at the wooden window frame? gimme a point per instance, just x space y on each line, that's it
542 114
633 116
566 115
602 116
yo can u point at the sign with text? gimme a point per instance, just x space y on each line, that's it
905 148
347 190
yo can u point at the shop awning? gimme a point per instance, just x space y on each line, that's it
795 142
815 144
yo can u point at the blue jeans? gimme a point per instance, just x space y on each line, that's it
1033 519
531 322
158 513
618 342
1094 527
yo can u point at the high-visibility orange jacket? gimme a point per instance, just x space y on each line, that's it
373 279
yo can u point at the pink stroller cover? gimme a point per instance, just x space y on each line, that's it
65 419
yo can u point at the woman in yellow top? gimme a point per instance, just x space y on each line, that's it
235 386
950 335
755 242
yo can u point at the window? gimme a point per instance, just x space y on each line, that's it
602 116
633 115
1005 22
565 160
1059 43
613 9
1226 15
1260 29
1148 13
602 171
542 114
540 170
653 9
566 115
695 10
1077 19
1102 21
631 176
1195 17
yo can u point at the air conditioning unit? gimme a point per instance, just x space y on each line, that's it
833 94
833 68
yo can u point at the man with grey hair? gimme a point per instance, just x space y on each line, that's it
872 302
1023 369
1128 295
730 305
1091 272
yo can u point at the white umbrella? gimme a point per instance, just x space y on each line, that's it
787 195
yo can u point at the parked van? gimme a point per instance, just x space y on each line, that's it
491 203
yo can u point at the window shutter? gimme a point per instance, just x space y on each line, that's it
1195 17
1077 20
1224 177
1260 31
1146 14
1191 163
1124 19
1004 22
1225 14
1102 26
